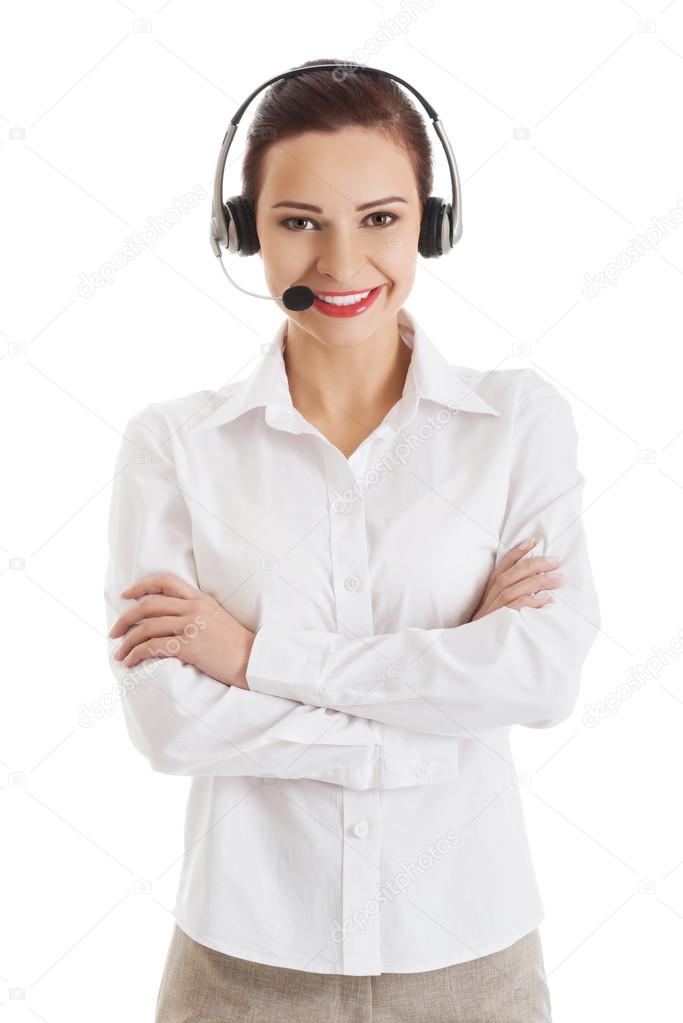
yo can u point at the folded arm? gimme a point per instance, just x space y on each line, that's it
185 722
509 667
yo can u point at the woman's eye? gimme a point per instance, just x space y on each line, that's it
294 223
288 221
392 215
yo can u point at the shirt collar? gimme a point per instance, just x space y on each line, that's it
429 376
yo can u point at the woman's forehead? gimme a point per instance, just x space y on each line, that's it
342 167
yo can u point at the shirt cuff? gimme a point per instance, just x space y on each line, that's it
281 666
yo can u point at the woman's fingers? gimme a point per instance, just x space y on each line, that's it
168 583
526 568
154 628
158 648
531 600
148 607
514 555
515 580
514 565
506 564
526 587
531 566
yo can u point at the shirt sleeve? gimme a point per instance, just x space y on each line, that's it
186 722
509 667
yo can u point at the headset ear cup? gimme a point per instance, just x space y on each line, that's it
432 232
241 213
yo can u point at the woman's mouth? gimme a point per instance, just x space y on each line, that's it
350 303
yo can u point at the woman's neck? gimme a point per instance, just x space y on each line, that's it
333 385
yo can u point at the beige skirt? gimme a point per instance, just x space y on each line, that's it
201 985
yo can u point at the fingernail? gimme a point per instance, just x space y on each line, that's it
528 543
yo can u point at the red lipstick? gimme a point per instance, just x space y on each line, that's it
344 311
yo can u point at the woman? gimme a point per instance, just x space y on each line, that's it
331 596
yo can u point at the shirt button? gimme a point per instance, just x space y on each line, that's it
352 582
360 829
424 768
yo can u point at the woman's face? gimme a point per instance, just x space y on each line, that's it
337 247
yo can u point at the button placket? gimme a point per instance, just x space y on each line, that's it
361 949
349 553
361 952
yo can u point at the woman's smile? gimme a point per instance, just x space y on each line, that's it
345 303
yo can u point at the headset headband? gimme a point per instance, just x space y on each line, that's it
219 227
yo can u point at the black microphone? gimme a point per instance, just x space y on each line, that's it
296 298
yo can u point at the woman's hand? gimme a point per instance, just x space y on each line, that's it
514 582
174 619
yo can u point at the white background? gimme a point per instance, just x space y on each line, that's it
565 121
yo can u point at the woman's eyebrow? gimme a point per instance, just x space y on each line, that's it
316 209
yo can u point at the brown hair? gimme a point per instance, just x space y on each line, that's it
326 101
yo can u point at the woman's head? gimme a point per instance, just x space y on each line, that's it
337 141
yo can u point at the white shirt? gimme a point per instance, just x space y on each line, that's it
356 812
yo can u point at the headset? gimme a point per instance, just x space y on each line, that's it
233 223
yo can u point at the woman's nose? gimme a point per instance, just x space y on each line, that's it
342 256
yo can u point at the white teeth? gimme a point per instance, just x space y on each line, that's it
344 299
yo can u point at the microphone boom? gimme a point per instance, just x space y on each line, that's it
297 298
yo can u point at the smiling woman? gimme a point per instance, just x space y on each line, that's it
354 190
328 560
351 170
